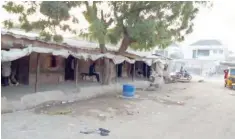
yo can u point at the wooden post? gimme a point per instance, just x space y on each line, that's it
103 71
116 73
76 72
37 73
133 72
146 71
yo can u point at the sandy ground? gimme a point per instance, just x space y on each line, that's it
177 111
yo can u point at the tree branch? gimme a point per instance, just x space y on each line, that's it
110 21
102 16
87 4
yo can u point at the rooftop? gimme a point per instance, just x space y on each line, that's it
207 43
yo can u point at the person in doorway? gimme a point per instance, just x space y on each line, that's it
13 73
93 72
6 72
148 71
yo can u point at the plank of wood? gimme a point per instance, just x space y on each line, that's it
37 73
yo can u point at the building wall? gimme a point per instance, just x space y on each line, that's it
214 52
48 74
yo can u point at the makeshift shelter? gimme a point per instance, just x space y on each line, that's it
45 61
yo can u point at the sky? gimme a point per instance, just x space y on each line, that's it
217 22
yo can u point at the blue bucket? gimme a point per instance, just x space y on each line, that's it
128 90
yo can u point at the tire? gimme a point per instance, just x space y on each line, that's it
189 77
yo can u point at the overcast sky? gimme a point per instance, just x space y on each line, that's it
215 23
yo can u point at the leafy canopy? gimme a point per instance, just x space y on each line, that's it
54 17
151 23
144 24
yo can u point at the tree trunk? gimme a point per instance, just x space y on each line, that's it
126 41
105 76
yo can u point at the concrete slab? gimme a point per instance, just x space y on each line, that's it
63 93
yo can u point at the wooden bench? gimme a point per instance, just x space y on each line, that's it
85 75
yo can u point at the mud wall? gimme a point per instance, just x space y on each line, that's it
49 73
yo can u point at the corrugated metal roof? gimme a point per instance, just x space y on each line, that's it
84 44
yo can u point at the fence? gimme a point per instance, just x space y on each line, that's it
198 67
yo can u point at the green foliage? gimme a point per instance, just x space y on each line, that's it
154 23
55 13
98 29
114 35
58 38
56 10
46 36
143 33
13 8
8 24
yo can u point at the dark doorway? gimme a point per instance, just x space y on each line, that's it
119 70
69 68
146 70
132 69
22 69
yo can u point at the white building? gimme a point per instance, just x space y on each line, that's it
206 50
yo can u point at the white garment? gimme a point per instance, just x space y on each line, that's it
73 64
6 69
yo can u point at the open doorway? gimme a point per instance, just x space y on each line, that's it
119 70
69 68
22 72
19 71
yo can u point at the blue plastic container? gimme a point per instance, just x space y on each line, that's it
128 90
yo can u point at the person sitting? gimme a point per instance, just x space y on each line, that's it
181 69
6 72
93 72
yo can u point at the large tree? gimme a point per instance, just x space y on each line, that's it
145 24
141 25
99 21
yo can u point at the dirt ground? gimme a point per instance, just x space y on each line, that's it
177 111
